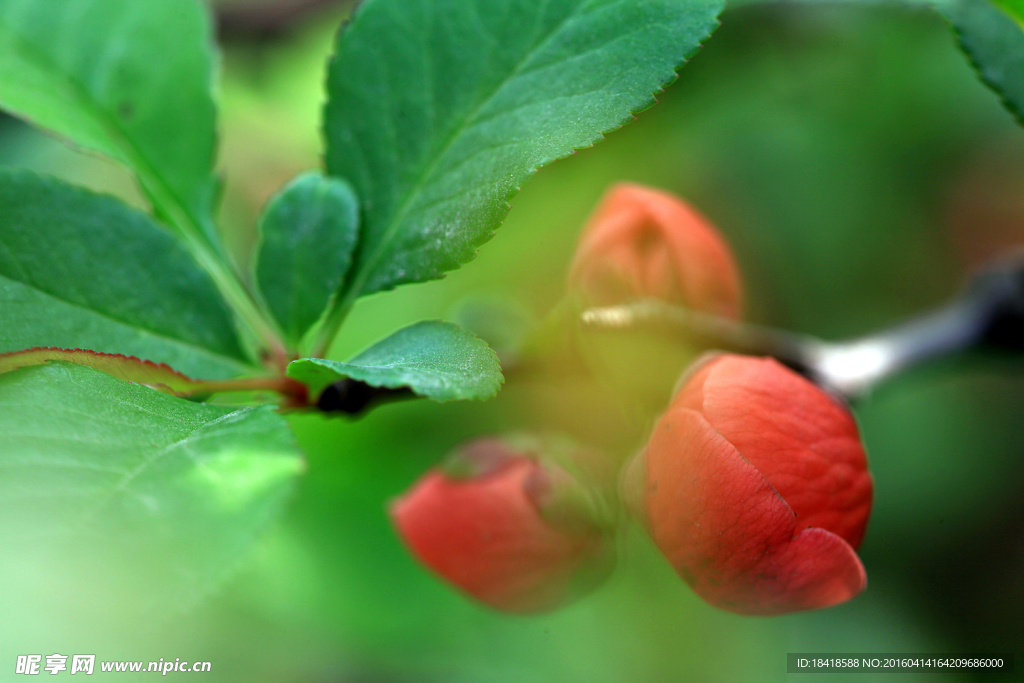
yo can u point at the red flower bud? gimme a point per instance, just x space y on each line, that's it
643 243
510 531
755 487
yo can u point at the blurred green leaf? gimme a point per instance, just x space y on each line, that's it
439 110
153 493
992 36
129 79
990 32
434 359
1015 8
80 270
308 232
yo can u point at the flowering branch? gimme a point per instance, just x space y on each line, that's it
989 312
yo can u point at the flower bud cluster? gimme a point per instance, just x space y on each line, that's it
753 483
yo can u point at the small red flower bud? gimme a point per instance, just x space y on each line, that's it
644 243
510 531
755 486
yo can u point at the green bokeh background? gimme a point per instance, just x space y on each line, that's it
859 170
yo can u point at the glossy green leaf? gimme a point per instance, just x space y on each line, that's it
992 36
128 78
434 359
439 110
135 488
308 233
81 270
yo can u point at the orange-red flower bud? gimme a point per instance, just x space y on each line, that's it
755 487
509 530
644 243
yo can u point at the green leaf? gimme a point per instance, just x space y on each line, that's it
308 232
434 359
141 491
992 36
80 270
128 78
1014 8
439 110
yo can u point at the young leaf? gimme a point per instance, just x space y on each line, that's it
128 78
438 110
80 270
308 231
434 359
992 36
149 491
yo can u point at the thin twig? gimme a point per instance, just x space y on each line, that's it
989 312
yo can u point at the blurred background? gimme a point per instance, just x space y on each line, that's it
859 170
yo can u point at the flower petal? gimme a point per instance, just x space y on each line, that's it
802 440
730 534
486 536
